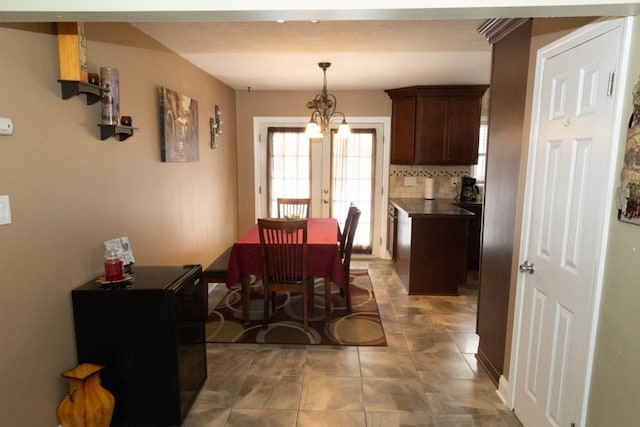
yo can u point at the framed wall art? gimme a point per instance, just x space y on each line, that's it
628 197
179 127
214 127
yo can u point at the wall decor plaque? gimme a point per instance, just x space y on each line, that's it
72 51
179 127
628 195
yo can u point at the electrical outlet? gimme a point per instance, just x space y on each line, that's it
454 182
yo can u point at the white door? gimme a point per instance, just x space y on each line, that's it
567 207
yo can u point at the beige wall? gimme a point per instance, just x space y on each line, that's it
252 104
69 192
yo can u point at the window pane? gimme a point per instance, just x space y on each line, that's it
479 170
289 165
352 161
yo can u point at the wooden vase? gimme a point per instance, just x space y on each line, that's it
87 404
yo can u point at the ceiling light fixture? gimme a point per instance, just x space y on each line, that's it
324 110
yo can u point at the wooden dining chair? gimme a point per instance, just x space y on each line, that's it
346 259
283 249
347 223
288 207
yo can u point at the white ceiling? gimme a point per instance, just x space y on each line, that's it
365 55
376 44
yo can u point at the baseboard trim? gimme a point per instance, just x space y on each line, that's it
487 365
503 391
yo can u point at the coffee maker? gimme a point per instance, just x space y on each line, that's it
468 189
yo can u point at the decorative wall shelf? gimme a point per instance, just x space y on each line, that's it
74 87
120 132
93 92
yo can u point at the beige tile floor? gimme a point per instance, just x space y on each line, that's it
426 376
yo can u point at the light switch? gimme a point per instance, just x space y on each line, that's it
5 210
6 126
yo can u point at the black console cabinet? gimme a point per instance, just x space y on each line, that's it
150 337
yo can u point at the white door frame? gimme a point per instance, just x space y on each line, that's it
380 209
579 36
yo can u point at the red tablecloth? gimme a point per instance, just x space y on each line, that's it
322 251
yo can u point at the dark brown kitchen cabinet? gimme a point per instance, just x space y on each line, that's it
475 234
431 252
435 125
392 229
403 120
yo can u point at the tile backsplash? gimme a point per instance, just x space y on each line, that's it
409 181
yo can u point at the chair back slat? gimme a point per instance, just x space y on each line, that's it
288 207
348 248
283 246
283 249
345 229
346 259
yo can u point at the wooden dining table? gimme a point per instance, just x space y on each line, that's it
323 257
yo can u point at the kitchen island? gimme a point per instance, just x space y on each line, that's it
431 245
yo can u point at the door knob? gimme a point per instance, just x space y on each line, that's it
325 201
527 267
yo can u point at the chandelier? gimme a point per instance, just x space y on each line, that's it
324 110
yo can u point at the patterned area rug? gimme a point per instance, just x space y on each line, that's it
362 327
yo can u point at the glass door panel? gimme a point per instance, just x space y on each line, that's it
352 181
288 166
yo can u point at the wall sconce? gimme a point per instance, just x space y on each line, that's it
214 125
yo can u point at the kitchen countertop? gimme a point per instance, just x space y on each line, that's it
416 208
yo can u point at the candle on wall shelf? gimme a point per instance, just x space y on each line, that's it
94 79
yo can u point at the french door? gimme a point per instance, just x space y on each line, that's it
333 172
